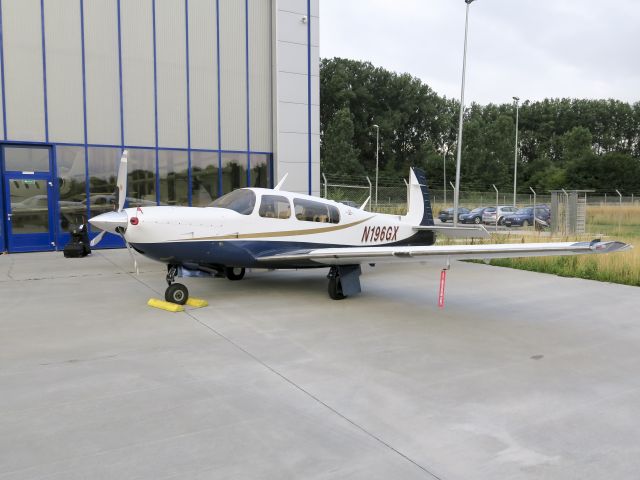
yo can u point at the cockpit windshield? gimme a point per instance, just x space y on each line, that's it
241 201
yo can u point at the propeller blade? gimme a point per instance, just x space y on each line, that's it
122 181
96 240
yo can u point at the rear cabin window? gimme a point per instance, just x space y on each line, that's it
310 211
241 201
275 206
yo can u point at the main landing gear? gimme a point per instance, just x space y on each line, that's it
344 280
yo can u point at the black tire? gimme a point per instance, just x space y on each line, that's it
176 293
443 221
476 220
234 273
525 223
335 289
501 221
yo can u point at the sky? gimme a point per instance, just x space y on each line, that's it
533 49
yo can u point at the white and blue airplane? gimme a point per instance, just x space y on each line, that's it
274 229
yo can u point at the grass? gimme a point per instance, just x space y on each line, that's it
606 222
609 222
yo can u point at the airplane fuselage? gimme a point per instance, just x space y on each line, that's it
224 237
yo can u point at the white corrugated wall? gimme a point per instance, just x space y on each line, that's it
203 74
171 73
260 75
102 71
64 71
23 72
233 75
136 22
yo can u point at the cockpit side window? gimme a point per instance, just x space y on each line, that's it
242 201
275 206
310 211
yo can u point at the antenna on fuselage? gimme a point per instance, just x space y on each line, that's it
362 207
281 182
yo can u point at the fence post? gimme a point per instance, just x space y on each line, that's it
534 207
325 185
370 193
620 195
497 202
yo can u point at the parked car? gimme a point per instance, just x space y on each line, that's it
524 217
489 215
474 216
447 214
350 203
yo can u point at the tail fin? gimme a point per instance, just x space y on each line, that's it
419 201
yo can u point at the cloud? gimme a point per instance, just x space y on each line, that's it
530 48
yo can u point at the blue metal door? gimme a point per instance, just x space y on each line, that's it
29 198
29 202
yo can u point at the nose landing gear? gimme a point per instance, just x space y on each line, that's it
175 292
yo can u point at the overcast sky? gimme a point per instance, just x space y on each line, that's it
533 49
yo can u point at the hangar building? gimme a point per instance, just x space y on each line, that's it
206 95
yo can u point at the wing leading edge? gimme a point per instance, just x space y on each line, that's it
358 255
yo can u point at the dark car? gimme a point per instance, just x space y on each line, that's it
447 214
474 216
524 217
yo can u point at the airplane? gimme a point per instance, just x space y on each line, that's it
274 229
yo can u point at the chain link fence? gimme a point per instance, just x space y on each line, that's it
392 195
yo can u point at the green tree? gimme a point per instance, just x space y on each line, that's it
337 153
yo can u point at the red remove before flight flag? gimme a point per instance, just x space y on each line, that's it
443 279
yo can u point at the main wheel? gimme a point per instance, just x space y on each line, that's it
335 289
234 273
176 293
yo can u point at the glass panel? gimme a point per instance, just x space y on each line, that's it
72 203
173 166
310 211
234 171
141 177
103 174
204 178
275 206
21 159
29 206
241 201
260 170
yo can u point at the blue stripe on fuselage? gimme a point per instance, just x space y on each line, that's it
245 253
237 253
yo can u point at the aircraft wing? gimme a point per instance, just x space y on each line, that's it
358 255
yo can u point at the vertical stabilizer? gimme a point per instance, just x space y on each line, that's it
419 201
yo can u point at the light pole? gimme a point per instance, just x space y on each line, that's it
445 150
464 66
515 162
377 150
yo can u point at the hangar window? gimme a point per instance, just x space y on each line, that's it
241 201
310 211
275 206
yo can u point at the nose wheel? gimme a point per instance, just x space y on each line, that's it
175 292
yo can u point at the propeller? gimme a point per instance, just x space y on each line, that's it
108 222
116 222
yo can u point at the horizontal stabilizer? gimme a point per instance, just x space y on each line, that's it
472 231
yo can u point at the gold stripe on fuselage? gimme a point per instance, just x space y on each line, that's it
285 233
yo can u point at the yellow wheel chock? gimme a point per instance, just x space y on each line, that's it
174 307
